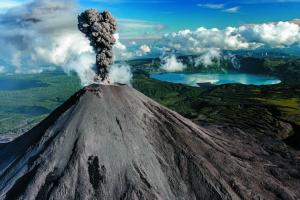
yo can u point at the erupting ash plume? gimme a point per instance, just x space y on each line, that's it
99 29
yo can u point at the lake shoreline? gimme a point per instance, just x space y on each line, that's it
215 78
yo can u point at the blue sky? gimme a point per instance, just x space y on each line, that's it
151 18
190 14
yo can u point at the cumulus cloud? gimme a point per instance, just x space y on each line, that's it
209 43
202 39
42 33
272 35
145 48
209 57
132 50
276 35
172 64
119 73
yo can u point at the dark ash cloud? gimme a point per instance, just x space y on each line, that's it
99 28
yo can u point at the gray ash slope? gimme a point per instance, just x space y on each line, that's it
112 142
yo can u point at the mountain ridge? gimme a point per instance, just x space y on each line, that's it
112 142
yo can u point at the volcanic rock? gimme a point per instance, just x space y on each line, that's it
112 142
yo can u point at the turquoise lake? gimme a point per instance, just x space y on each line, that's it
216 79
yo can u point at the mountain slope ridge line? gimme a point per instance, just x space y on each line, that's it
113 142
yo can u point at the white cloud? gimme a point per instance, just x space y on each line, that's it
209 43
145 48
232 9
2 69
195 42
211 6
7 4
139 24
42 33
63 47
121 52
208 57
171 64
277 35
274 35
132 50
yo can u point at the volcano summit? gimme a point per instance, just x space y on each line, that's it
112 142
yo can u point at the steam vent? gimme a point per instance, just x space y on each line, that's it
112 142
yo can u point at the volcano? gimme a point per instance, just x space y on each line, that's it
113 142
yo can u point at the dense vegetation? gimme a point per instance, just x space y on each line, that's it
21 108
265 110
268 110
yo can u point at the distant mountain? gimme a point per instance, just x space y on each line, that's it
112 142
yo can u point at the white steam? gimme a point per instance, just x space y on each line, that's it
82 65
40 34
171 64
120 74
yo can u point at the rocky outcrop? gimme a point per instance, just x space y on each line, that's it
112 142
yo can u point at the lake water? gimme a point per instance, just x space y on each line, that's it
215 79
20 84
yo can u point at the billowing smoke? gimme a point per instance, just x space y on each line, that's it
172 64
120 73
43 35
99 28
